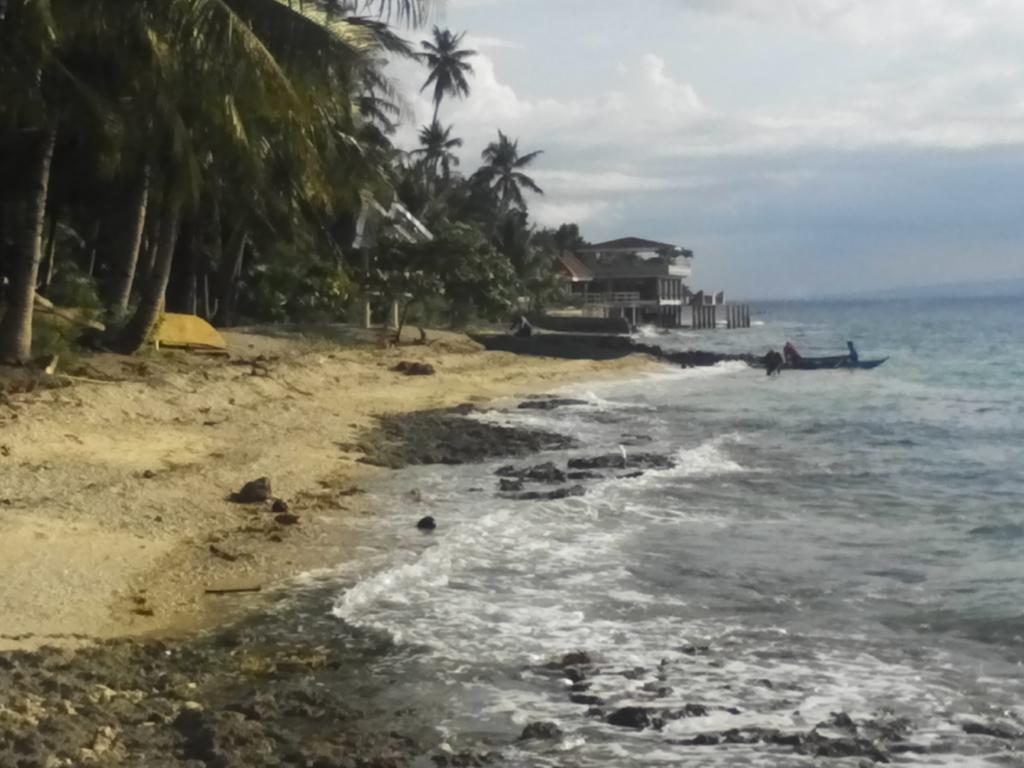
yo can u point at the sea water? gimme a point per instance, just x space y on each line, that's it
837 541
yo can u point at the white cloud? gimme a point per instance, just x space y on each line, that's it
877 22
549 212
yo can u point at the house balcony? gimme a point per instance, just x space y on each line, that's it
627 299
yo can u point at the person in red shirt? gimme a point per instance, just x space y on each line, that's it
790 354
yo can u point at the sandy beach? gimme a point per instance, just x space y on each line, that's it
114 510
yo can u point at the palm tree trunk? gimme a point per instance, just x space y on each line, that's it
151 295
148 256
230 272
126 262
51 254
16 325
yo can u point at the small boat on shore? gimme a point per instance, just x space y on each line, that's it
836 361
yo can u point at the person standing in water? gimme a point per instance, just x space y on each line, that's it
789 353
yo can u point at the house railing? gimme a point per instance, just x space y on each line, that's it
613 299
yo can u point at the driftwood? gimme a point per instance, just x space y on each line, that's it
87 380
46 306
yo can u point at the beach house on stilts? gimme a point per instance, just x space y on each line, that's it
639 280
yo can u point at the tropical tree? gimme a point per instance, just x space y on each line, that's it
437 149
241 124
502 173
29 72
448 65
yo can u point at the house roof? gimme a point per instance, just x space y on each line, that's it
630 244
578 271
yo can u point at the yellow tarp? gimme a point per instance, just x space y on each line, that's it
188 331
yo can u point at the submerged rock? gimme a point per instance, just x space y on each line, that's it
995 730
632 461
545 731
548 404
427 523
631 717
561 493
573 659
540 473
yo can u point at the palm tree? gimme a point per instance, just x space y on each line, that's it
252 106
448 66
437 149
28 41
502 173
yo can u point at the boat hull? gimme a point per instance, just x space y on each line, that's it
830 363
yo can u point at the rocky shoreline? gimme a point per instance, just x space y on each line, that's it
270 692
224 701
239 697
585 346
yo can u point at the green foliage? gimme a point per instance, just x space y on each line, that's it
284 286
502 173
74 287
459 266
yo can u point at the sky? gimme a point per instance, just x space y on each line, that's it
798 147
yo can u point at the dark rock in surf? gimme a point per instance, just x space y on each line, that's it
510 486
541 731
820 746
703 740
286 519
631 717
280 506
427 523
694 650
574 674
995 730
254 492
632 461
574 659
561 493
586 699
445 437
690 710
549 404
540 473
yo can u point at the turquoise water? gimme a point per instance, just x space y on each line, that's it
842 541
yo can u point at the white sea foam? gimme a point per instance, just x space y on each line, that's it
707 459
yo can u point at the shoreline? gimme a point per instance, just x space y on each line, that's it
114 518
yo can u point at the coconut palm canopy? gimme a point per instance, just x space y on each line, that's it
502 172
437 148
448 66
210 157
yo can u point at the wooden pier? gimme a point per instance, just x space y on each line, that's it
705 316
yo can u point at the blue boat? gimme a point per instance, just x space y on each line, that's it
828 363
